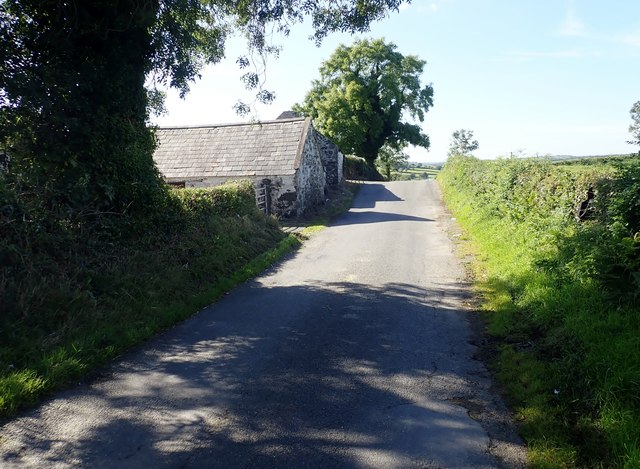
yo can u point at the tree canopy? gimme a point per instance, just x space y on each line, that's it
73 103
462 143
363 93
391 159
634 128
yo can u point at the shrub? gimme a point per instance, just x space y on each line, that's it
74 294
564 298
226 200
358 169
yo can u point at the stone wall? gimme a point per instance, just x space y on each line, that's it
284 196
310 177
332 159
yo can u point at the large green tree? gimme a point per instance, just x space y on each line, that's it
73 102
363 95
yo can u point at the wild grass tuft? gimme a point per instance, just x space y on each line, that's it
561 298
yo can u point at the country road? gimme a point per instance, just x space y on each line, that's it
352 352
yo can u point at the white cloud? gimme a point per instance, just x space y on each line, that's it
572 24
631 39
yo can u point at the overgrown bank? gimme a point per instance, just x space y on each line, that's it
76 292
563 298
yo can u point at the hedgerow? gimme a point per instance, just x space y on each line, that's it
358 169
74 291
563 293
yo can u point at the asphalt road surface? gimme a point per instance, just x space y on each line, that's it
353 352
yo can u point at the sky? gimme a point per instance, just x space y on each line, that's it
528 77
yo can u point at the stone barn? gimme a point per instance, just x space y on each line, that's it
289 162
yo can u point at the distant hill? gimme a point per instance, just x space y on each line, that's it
553 158
565 158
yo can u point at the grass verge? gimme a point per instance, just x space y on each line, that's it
564 337
91 348
71 303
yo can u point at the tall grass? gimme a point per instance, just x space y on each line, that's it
72 296
563 300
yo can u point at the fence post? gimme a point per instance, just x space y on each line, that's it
267 195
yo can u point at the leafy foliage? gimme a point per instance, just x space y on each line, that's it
391 160
634 128
357 169
620 262
73 103
462 143
228 200
564 298
362 94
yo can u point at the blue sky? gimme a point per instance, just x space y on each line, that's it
528 77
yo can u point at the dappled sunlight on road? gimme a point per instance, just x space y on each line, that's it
251 395
335 358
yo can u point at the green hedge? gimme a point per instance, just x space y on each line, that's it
356 168
522 189
563 297
235 198
74 292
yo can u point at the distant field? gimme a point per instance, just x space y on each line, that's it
415 173
431 171
589 159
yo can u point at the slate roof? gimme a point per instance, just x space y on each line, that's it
232 150
288 115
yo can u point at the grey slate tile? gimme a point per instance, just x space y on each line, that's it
229 151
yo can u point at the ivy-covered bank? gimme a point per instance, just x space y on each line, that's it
77 290
558 270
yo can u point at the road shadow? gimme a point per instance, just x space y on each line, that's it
369 194
357 218
333 381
